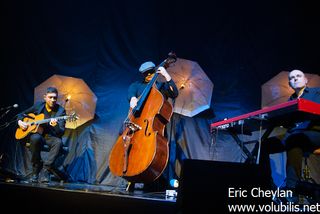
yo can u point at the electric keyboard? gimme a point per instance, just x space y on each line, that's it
284 114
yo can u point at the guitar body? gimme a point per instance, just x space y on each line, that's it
33 128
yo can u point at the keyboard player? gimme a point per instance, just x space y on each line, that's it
304 137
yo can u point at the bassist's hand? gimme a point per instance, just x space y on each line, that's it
161 70
133 102
22 125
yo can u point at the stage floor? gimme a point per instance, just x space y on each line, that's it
83 198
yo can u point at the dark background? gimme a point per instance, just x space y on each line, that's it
239 44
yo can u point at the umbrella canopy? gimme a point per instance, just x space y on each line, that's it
195 88
74 95
277 89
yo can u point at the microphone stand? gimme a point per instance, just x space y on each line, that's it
4 114
8 109
5 108
171 169
5 125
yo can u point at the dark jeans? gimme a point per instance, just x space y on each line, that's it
297 144
36 143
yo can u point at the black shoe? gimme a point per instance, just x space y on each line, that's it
33 178
310 190
58 174
44 175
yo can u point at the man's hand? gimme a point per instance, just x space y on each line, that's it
53 122
161 70
22 125
133 102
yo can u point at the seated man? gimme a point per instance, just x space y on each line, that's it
49 134
303 137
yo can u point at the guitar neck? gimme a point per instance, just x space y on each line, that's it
48 120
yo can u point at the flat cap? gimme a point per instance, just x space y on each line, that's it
146 66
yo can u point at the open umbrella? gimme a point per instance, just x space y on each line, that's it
277 89
195 88
74 94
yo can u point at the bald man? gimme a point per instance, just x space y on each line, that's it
304 137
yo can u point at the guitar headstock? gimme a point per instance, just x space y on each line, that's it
73 117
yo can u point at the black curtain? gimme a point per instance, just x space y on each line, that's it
239 44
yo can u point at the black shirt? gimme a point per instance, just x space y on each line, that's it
312 94
136 89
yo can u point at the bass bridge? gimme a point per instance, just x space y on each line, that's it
132 126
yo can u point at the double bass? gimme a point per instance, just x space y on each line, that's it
141 152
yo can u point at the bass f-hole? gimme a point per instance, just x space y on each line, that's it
146 133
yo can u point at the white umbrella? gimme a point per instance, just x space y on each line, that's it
74 94
195 87
277 89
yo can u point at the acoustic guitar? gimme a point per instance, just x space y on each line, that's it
34 121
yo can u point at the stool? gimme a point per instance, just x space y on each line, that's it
306 170
57 170
306 174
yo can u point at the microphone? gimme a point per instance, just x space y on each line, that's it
7 110
9 107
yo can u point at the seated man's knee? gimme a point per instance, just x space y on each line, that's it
58 143
35 138
64 149
296 140
273 145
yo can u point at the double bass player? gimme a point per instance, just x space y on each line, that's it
168 88
141 153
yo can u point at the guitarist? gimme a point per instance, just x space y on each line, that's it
50 134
